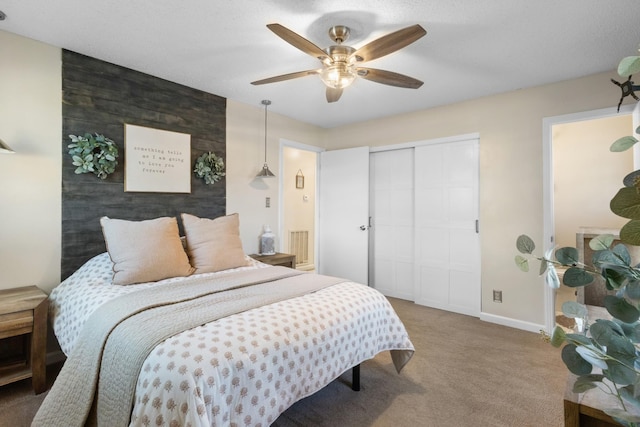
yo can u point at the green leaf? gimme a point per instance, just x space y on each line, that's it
608 259
582 386
622 144
575 277
557 336
567 256
621 309
601 242
631 331
632 290
586 382
578 339
574 309
630 233
629 65
592 355
525 244
601 333
623 253
543 266
574 362
626 203
614 279
619 373
632 179
522 263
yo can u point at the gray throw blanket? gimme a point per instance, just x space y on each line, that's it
105 349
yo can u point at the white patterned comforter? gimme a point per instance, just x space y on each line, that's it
247 368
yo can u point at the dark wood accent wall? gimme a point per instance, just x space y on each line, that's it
100 97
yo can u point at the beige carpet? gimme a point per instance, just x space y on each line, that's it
465 373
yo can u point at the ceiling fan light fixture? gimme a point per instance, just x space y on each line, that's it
338 76
341 64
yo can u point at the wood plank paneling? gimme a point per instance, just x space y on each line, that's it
100 97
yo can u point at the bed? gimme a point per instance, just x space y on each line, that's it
233 344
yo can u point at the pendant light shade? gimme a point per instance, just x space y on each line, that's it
5 149
265 172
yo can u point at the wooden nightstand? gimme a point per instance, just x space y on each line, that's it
286 260
24 311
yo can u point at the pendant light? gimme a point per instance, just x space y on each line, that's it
265 172
5 149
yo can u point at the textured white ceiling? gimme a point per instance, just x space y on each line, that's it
472 48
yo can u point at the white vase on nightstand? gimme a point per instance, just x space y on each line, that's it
267 242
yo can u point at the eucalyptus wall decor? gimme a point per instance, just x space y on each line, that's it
96 154
209 167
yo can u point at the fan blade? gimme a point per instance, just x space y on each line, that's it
389 78
389 43
333 94
298 41
286 77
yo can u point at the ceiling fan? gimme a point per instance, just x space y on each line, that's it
341 63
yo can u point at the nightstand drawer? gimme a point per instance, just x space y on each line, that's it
17 323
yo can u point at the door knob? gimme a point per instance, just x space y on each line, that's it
363 228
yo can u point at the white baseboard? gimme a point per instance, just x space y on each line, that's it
512 323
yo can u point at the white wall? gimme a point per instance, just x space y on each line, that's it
510 128
245 155
30 201
587 175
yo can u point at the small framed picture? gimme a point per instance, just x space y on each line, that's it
299 179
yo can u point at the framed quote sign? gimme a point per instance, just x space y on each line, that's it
156 160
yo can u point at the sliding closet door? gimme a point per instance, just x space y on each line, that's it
446 212
391 250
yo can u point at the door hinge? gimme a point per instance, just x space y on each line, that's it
477 226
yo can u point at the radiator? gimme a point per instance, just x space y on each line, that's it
299 245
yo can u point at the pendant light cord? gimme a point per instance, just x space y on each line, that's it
266 102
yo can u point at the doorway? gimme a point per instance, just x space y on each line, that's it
580 177
298 186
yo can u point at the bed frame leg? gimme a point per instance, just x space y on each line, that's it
355 383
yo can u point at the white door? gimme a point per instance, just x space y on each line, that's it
447 245
392 233
343 235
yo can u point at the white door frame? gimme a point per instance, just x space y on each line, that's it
547 187
306 147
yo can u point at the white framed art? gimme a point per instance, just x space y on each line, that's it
156 161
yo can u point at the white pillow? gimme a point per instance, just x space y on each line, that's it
144 251
214 244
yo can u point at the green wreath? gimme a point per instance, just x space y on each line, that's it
209 167
96 154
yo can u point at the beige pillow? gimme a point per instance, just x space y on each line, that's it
213 244
145 251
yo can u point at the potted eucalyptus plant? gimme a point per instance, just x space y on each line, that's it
605 353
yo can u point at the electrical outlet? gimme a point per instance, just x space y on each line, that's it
268 202
497 296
